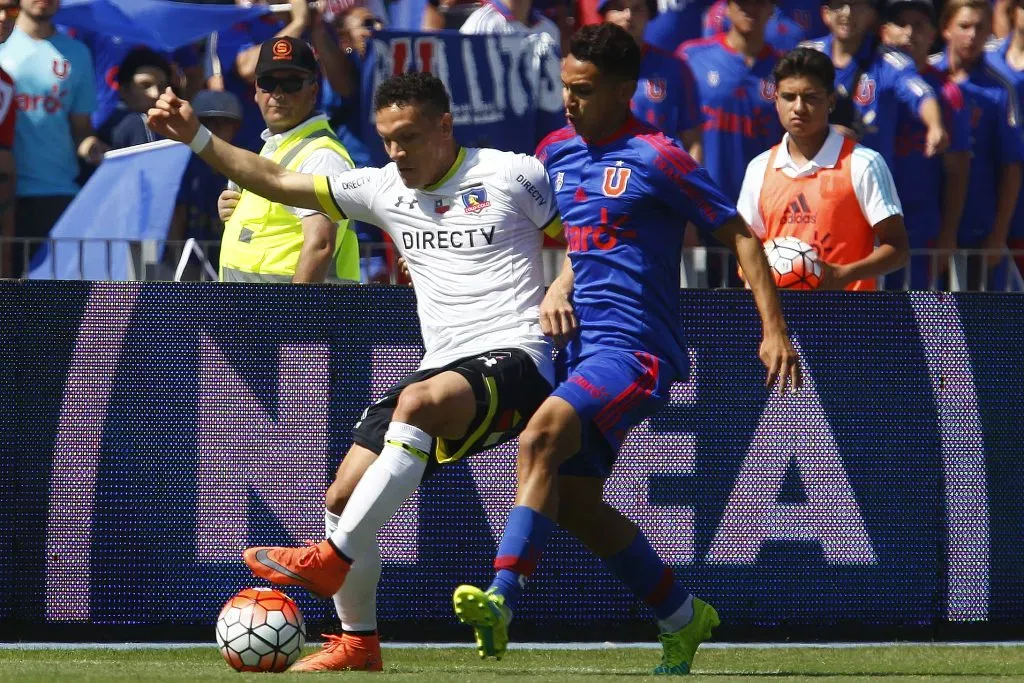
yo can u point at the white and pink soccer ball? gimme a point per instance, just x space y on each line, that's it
260 629
794 263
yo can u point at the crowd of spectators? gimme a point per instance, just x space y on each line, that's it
948 126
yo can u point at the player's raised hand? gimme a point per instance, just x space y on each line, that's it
557 318
781 359
173 118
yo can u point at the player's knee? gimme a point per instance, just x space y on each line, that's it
416 406
538 449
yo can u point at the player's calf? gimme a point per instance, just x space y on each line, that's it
352 468
550 437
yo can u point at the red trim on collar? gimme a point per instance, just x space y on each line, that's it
766 50
630 126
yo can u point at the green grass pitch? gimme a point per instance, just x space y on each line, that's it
902 662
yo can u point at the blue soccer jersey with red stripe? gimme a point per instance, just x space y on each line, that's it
887 80
666 95
918 178
994 108
783 32
995 56
625 202
738 105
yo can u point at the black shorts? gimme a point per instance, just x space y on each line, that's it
508 388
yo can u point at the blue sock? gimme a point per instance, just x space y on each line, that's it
650 579
526 533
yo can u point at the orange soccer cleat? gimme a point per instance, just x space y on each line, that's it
346 652
317 567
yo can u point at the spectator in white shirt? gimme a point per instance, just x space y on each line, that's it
518 17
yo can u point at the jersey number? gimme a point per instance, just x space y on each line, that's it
615 181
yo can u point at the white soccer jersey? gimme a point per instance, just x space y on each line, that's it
473 245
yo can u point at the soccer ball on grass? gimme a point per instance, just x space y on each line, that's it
260 629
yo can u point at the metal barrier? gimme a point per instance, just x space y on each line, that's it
704 268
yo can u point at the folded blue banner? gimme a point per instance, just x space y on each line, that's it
506 91
130 197
159 24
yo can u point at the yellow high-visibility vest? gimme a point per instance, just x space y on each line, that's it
262 239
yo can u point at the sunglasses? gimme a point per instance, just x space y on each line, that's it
289 85
371 24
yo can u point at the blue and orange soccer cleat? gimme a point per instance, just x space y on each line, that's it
679 647
489 617
316 567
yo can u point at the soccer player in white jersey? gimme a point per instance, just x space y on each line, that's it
469 223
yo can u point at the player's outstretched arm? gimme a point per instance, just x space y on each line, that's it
777 352
173 118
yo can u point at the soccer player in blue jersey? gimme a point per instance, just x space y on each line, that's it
875 81
625 192
666 94
781 32
931 217
997 148
737 93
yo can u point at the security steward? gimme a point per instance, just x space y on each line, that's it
269 242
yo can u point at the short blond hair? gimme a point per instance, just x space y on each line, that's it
954 6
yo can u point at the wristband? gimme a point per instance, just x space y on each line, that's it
201 140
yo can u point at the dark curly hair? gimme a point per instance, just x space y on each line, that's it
610 49
141 58
423 89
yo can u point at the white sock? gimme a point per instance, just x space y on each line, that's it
356 602
678 619
385 485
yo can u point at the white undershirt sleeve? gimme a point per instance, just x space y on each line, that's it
874 186
749 202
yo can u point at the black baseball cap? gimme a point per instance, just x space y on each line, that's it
286 53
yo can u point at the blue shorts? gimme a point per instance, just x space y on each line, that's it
612 392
